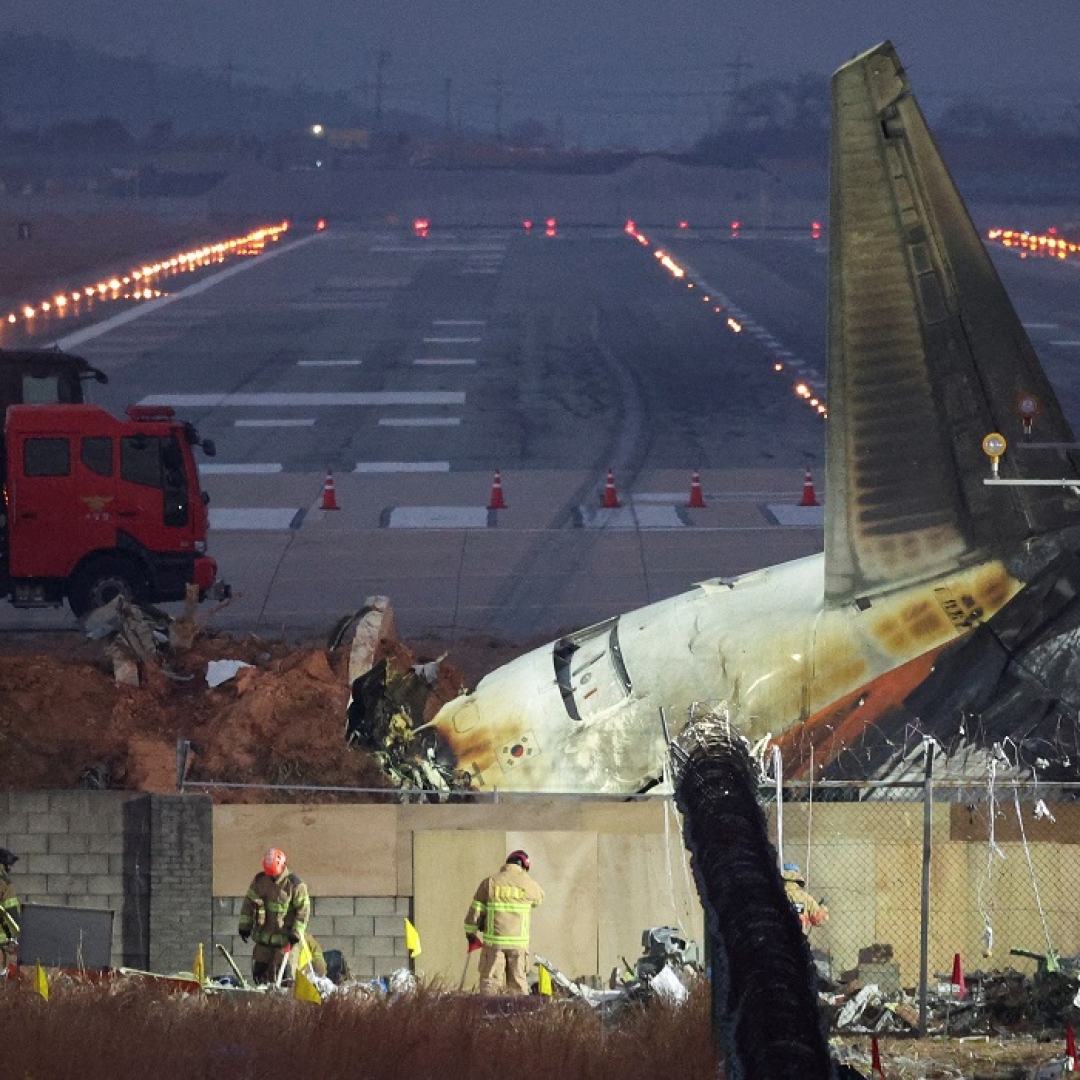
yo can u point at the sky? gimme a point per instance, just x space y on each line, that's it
644 72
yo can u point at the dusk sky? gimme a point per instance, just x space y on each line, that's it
645 70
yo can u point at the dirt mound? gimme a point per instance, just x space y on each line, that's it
65 723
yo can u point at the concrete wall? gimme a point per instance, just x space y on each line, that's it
174 870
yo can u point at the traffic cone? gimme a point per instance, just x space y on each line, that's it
958 978
809 498
1070 1049
497 502
329 496
697 501
611 496
875 1059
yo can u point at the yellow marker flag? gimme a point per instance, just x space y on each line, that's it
304 989
41 982
543 982
199 967
412 940
305 956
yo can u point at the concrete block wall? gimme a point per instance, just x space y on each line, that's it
85 849
181 879
369 931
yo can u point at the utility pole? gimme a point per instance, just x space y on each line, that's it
497 85
735 69
382 58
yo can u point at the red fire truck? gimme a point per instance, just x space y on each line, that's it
95 506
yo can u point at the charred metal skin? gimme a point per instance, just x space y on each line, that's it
765 1008
926 357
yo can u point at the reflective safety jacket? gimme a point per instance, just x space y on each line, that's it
9 902
501 907
810 912
275 906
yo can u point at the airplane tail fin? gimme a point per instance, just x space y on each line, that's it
926 357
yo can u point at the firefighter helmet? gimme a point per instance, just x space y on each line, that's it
520 857
273 862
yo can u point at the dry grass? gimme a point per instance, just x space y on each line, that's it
136 1030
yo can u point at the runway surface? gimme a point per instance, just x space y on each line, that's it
415 368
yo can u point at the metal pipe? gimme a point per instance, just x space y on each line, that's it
924 935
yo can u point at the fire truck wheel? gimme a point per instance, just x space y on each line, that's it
100 580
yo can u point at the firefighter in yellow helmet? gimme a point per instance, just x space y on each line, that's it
274 914
809 910
10 910
498 918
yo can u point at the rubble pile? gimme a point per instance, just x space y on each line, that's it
106 709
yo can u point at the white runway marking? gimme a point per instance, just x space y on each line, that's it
438 517
798 516
420 421
459 322
89 332
255 518
630 517
328 363
451 340
274 423
444 363
402 466
253 468
1040 326
276 400
1069 344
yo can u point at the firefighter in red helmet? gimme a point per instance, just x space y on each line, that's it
498 917
274 915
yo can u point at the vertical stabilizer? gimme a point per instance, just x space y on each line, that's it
926 357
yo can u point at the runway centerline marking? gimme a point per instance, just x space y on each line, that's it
420 421
273 400
465 362
328 363
281 422
451 340
253 468
402 466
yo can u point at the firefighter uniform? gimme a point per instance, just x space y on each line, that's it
10 909
499 914
810 912
275 914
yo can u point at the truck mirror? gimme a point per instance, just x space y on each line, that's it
100 376
209 449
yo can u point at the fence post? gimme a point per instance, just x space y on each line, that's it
924 911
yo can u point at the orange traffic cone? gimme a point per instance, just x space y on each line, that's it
329 496
497 502
1070 1049
958 978
611 496
809 498
875 1059
697 501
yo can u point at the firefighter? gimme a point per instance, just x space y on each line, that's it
275 914
10 909
498 918
810 912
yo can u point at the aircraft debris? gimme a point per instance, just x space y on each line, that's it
221 671
665 970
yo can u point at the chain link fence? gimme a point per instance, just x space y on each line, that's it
915 875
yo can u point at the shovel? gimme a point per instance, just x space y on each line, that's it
232 963
284 964
473 946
